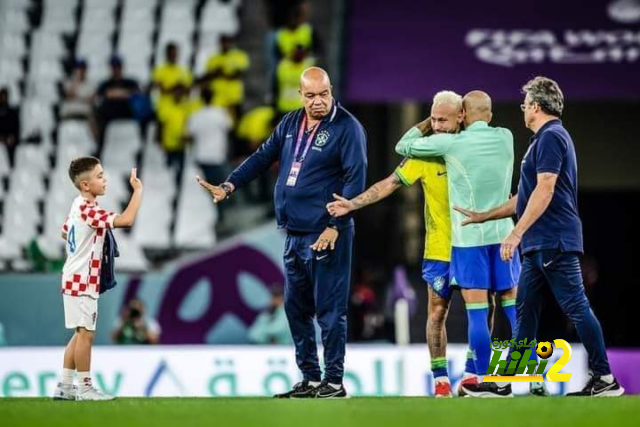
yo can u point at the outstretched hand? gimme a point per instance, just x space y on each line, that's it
340 207
216 192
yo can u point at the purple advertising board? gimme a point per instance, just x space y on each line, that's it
409 50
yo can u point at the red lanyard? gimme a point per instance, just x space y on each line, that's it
309 140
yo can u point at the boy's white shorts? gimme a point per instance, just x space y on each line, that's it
80 312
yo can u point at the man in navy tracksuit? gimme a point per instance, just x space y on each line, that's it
550 233
322 150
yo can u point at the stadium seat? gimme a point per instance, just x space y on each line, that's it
76 133
46 70
131 255
36 117
31 158
121 146
20 218
220 17
11 68
46 92
25 182
14 21
46 45
196 216
12 45
153 223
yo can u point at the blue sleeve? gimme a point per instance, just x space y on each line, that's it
261 160
551 151
353 154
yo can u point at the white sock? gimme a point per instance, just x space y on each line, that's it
607 378
469 375
442 380
335 386
314 383
84 379
67 376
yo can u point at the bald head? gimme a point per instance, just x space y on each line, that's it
315 91
477 106
314 75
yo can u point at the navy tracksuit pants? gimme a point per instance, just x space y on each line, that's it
561 272
317 284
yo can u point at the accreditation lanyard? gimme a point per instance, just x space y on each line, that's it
297 163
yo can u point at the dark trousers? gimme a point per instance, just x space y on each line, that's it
317 284
561 272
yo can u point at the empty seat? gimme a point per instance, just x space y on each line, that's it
197 214
220 17
32 158
36 117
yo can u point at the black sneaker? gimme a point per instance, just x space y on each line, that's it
487 390
302 390
596 387
325 391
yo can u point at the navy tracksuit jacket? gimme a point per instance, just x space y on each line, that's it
317 283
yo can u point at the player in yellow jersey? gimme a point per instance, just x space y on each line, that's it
446 117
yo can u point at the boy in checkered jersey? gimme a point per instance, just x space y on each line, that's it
84 231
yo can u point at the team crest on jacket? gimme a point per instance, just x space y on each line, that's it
322 138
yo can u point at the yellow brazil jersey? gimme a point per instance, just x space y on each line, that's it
432 173
228 91
167 76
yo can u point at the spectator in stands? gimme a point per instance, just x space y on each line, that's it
297 31
271 326
135 327
170 74
225 71
114 96
209 128
288 79
173 114
9 124
278 12
78 96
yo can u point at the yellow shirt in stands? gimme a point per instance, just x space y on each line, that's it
173 117
288 39
167 76
228 92
432 173
288 74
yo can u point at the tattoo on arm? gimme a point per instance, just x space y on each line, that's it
377 192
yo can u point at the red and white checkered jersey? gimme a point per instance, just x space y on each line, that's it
85 228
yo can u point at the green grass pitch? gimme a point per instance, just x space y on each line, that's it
369 412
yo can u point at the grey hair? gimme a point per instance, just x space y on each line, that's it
546 93
448 97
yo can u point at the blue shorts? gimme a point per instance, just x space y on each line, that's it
481 267
436 274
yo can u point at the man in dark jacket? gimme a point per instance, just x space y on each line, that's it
322 150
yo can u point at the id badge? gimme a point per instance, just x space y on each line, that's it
293 174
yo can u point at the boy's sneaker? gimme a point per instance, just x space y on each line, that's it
469 380
65 392
597 387
325 391
488 390
90 393
443 389
538 389
302 390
